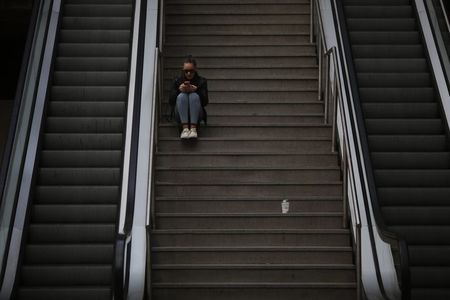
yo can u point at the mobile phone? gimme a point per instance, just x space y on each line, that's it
187 83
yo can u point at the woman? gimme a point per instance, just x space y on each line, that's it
189 97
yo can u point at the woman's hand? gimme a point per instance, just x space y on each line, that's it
193 88
183 88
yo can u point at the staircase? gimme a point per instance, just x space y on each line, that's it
68 251
407 136
220 232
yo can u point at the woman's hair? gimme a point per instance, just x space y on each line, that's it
190 60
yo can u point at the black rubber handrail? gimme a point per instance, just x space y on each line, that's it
5 163
367 169
120 261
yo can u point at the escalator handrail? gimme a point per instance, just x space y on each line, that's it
7 154
366 166
130 155
26 181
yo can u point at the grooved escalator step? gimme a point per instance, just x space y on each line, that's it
79 176
86 109
395 80
94 36
401 110
253 273
423 235
99 64
84 125
74 213
412 178
414 195
72 233
429 255
250 238
67 293
386 65
96 23
408 143
417 215
430 277
384 37
388 51
89 93
88 194
252 255
404 126
81 159
430 293
378 11
69 253
377 2
400 95
66 275
91 78
82 141
382 24
93 49
410 160
98 10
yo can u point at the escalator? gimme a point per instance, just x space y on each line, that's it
407 137
68 245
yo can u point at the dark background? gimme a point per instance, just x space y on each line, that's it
14 20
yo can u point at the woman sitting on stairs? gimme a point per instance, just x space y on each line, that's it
188 99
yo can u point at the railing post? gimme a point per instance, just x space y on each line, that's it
311 22
358 263
327 88
345 186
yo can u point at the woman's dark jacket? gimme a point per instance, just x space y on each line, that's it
198 81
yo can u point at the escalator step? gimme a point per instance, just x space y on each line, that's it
72 233
66 293
84 125
66 275
81 159
79 176
89 194
96 23
97 10
72 213
86 109
76 254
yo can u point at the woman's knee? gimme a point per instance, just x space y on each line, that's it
182 96
194 97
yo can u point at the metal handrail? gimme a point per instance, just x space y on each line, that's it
331 93
445 15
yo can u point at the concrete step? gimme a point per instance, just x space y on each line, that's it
237 205
239 9
250 238
238 29
205 51
250 73
330 189
255 130
286 146
247 255
225 19
223 160
225 62
272 291
328 220
253 273
179 39
251 85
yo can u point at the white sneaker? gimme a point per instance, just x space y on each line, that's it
185 133
193 133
